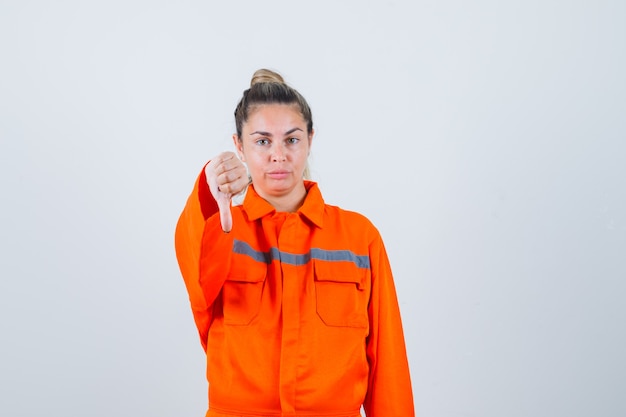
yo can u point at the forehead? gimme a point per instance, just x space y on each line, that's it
276 115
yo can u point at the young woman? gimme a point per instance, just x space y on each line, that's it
293 298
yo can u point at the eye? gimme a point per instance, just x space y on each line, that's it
262 141
293 141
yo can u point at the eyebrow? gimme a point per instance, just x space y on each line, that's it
290 131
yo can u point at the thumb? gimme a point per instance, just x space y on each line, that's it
222 199
226 217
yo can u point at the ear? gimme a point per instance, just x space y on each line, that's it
239 147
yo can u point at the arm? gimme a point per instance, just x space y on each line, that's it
188 237
389 392
228 173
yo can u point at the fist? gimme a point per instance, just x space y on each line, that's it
226 176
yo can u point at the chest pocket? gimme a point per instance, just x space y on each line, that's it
242 291
341 295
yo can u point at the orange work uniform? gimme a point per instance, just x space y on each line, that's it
297 311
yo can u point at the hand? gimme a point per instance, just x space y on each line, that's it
226 176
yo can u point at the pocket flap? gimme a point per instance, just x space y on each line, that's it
340 272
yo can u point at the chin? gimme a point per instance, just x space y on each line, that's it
279 189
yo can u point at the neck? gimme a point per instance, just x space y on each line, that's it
289 203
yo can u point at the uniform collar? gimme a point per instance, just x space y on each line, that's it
312 208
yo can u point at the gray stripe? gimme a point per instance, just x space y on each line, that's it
361 261
242 248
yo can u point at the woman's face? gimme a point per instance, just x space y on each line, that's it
275 145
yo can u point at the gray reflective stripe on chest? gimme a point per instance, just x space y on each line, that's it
242 248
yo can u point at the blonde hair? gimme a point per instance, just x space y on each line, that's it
266 76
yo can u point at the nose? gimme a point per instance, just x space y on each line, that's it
278 154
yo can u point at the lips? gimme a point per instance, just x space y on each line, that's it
278 174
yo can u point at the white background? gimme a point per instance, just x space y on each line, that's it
485 139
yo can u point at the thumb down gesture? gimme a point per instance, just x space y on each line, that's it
226 176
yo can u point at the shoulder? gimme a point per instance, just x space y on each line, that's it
346 214
351 222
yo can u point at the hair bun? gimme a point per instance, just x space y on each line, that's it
266 76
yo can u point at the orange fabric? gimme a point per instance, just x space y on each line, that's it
200 206
297 311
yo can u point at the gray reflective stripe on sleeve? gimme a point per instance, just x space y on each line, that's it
242 248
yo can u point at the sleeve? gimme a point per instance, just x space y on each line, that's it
188 242
389 392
